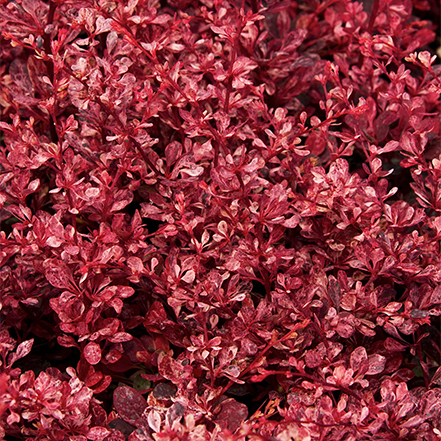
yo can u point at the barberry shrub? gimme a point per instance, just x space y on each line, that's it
221 220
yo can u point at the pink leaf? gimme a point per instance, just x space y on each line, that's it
193 170
170 369
136 265
116 435
376 364
54 242
413 421
189 276
125 291
97 433
389 147
344 329
122 199
24 348
292 222
120 337
92 353
13 418
67 341
154 420
151 211
57 273
116 304
358 356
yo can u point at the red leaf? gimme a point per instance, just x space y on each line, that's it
129 403
161 343
123 364
436 379
164 391
67 341
392 345
316 143
231 414
334 291
122 199
102 385
155 316
92 353
121 427
94 378
99 415
172 152
120 337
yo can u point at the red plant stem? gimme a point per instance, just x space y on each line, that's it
259 357
230 70
50 70
47 40
290 374
373 16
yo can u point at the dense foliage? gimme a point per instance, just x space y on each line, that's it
221 220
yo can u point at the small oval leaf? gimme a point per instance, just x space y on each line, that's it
97 433
92 353
129 403
154 420
24 348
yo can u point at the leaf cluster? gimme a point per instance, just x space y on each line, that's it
221 220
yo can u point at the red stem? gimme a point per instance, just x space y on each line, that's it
373 16
50 71
268 347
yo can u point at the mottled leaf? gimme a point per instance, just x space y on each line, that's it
129 403
97 433
24 348
57 273
376 364
92 353
154 420
231 414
